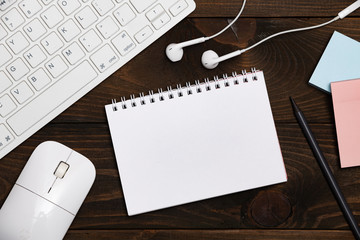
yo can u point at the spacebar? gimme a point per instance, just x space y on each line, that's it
49 100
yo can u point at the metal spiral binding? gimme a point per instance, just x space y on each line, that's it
161 94
179 91
113 104
170 93
198 87
207 84
151 95
142 99
244 73
188 89
123 104
253 71
132 100
216 80
235 76
226 80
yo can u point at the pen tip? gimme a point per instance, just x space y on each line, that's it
295 107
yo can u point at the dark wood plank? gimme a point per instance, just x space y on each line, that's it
304 202
271 8
288 62
302 208
211 234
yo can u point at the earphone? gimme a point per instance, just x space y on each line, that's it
210 59
175 51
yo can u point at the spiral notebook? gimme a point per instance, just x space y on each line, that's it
195 142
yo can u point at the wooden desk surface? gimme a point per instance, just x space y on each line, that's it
302 208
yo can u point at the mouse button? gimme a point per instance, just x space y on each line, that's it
38 173
61 170
84 168
25 212
71 191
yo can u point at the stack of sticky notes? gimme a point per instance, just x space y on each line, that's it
338 72
340 61
346 101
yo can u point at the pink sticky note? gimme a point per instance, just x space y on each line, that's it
346 101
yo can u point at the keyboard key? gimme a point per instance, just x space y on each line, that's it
34 29
46 2
52 43
161 21
178 7
30 7
13 19
123 43
103 6
39 79
17 42
124 14
69 30
143 34
50 99
22 92
6 105
104 58
5 136
3 32
69 6
90 40
5 82
73 53
35 56
17 69
52 17
107 27
155 12
86 17
104 33
6 4
5 55
142 5
56 66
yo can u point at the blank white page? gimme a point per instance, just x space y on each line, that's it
196 146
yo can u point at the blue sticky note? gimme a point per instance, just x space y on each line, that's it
340 61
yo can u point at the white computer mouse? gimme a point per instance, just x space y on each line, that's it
47 195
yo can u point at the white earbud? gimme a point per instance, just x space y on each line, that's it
211 59
175 51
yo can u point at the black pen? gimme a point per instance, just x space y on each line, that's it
326 170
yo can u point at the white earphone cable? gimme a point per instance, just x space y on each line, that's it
272 36
289 31
232 22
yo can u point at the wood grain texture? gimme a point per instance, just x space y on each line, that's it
311 204
212 234
271 8
287 61
302 208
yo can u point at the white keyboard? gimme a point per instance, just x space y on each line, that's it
52 52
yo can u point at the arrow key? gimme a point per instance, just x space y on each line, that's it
143 34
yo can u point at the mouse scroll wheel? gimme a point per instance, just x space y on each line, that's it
61 169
